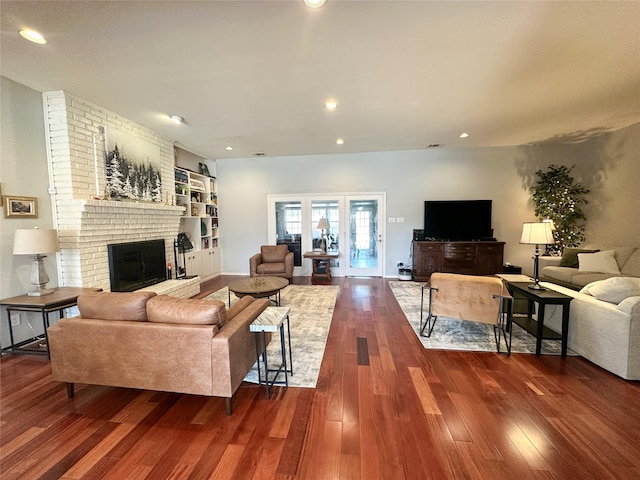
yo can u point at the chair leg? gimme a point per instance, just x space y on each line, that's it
70 391
504 324
227 401
431 318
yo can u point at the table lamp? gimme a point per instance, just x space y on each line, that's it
537 233
323 225
36 242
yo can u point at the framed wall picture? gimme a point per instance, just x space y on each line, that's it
20 207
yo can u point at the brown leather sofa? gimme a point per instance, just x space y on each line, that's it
156 342
272 261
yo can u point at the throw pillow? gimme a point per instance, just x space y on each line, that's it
615 290
600 262
570 256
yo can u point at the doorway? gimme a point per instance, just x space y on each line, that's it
354 227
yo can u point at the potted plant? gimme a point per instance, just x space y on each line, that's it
558 197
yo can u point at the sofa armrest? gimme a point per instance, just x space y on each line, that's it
288 265
253 264
548 261
234 349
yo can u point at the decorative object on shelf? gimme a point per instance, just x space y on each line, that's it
204 169
558 197
20 207
194 210
537 233
197 184
323 225
36 242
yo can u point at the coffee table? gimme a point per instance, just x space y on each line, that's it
258 287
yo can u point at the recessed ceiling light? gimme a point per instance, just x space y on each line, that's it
33 36
340 141
177 119
228 147
331 105
464 135
314 3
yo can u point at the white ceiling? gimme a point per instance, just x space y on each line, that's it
255 75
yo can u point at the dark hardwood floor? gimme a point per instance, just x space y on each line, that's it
383 408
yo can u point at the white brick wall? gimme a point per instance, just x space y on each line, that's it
87 223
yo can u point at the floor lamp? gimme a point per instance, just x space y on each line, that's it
537 233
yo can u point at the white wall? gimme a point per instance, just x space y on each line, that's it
608 165
23 172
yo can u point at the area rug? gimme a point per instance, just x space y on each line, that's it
452 334
310 318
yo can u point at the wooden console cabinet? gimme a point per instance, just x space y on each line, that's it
473 258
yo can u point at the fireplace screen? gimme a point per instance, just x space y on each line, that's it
136 265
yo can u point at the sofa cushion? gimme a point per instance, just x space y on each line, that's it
167 309
614 290
115 305
273 253
600 262
570 256
622 253
632 266
270 268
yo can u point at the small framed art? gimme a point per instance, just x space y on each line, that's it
20 207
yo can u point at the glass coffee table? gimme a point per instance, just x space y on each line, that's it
258 287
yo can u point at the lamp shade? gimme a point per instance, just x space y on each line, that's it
35 241
323 224
537 233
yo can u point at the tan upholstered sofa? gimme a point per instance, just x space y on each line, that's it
272 261
156 342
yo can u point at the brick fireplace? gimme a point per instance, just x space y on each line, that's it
87 222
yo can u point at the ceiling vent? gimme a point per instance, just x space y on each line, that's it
259 154
434 145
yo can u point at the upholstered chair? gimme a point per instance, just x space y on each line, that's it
272 261
468 297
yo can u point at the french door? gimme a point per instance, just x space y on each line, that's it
354 228
365 233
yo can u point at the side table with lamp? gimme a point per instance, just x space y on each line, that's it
42 300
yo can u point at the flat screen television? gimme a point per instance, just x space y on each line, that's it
136 265
458 220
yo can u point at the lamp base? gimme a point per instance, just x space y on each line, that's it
536 286
40 292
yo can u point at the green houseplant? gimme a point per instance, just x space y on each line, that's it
558 197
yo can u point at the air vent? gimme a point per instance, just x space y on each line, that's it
434 145
259 154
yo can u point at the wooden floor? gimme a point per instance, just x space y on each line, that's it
384 408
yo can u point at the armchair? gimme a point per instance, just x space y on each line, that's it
469 297
272 261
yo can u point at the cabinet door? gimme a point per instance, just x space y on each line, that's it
489 259
194 263
210 262
427 259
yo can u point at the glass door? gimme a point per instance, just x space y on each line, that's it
288 227
365 235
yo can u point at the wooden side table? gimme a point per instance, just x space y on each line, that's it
321 266
60 299
542 298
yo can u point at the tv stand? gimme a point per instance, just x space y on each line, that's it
472 258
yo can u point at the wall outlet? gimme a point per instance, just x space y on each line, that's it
16 320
